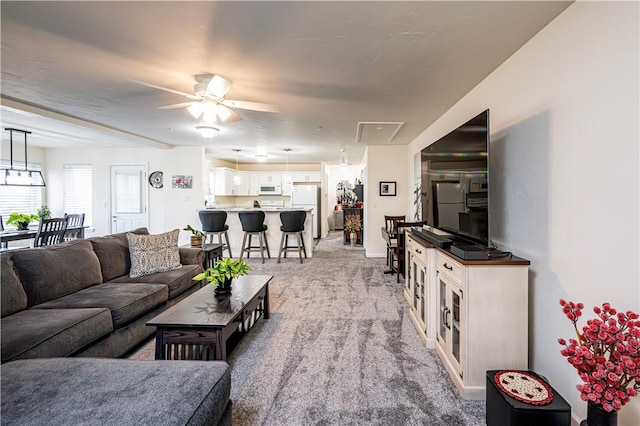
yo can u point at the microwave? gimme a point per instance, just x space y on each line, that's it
269 189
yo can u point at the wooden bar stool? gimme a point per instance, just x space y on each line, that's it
214 224
253 224
292 224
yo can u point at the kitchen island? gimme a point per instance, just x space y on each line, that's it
272 220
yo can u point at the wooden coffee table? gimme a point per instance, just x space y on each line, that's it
197 328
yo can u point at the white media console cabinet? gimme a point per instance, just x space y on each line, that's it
474 313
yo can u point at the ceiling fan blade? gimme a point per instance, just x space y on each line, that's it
175 106
218 86
253 106
166 89
234 117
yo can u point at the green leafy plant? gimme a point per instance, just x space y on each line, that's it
21 220
194 231
44 212
225 268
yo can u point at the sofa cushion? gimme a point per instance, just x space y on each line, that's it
125 301
153 253
77 391
46 333
178 280
14 299
113 253
50 272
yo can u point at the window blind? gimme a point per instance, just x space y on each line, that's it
78 190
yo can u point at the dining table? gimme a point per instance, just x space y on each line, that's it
29 234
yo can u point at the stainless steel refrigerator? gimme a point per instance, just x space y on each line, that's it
450 203
308 197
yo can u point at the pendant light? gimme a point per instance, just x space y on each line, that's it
237 179
20 177
286 177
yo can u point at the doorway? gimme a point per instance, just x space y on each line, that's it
128 208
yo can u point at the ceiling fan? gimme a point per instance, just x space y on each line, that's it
208 99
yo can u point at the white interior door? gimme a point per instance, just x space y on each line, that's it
128 197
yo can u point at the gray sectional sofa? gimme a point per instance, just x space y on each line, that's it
77 299
67 307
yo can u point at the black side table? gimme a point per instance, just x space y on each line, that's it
212 253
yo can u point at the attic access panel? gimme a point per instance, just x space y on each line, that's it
377 132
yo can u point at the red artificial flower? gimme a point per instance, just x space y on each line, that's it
606 354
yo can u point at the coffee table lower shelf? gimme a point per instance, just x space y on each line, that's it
203 327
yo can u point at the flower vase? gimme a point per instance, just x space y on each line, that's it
224 287
598 416
353 239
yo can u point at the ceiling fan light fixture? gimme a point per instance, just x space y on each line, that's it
218 86
207 131
223 112
196 110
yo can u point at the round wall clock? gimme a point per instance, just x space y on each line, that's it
155 179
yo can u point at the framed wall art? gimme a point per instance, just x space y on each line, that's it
387 189
181 181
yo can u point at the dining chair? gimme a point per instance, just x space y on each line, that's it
398 253
50 231
4 244
391 226
75 226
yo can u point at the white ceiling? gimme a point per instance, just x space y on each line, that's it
328 65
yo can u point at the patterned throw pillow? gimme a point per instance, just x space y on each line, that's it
153 253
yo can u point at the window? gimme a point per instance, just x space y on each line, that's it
78 190
19 199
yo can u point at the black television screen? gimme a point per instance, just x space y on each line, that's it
455 182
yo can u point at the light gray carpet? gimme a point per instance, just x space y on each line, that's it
339 349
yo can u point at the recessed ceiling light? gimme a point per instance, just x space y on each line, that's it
261 158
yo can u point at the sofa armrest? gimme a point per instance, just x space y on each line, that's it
191 256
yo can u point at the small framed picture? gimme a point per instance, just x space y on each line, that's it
181 182
387 189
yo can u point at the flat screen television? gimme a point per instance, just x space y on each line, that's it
455 182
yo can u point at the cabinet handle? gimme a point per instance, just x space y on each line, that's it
418 251
443 316
446 317
447 266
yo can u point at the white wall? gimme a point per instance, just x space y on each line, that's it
168 208
384 163
564 175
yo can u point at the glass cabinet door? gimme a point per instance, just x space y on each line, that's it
422 314
455 323
442 309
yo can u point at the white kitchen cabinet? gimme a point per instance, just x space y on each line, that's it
224 182
306 176
478 311
271 178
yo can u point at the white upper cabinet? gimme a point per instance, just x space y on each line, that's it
306 176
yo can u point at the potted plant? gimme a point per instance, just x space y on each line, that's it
352 225
196 236
44 212
607 356
21 220
223 272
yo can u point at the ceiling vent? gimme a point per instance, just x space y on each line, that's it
377 132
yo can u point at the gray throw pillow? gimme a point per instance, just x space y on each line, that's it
151 254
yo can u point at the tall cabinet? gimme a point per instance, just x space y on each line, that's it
475 313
